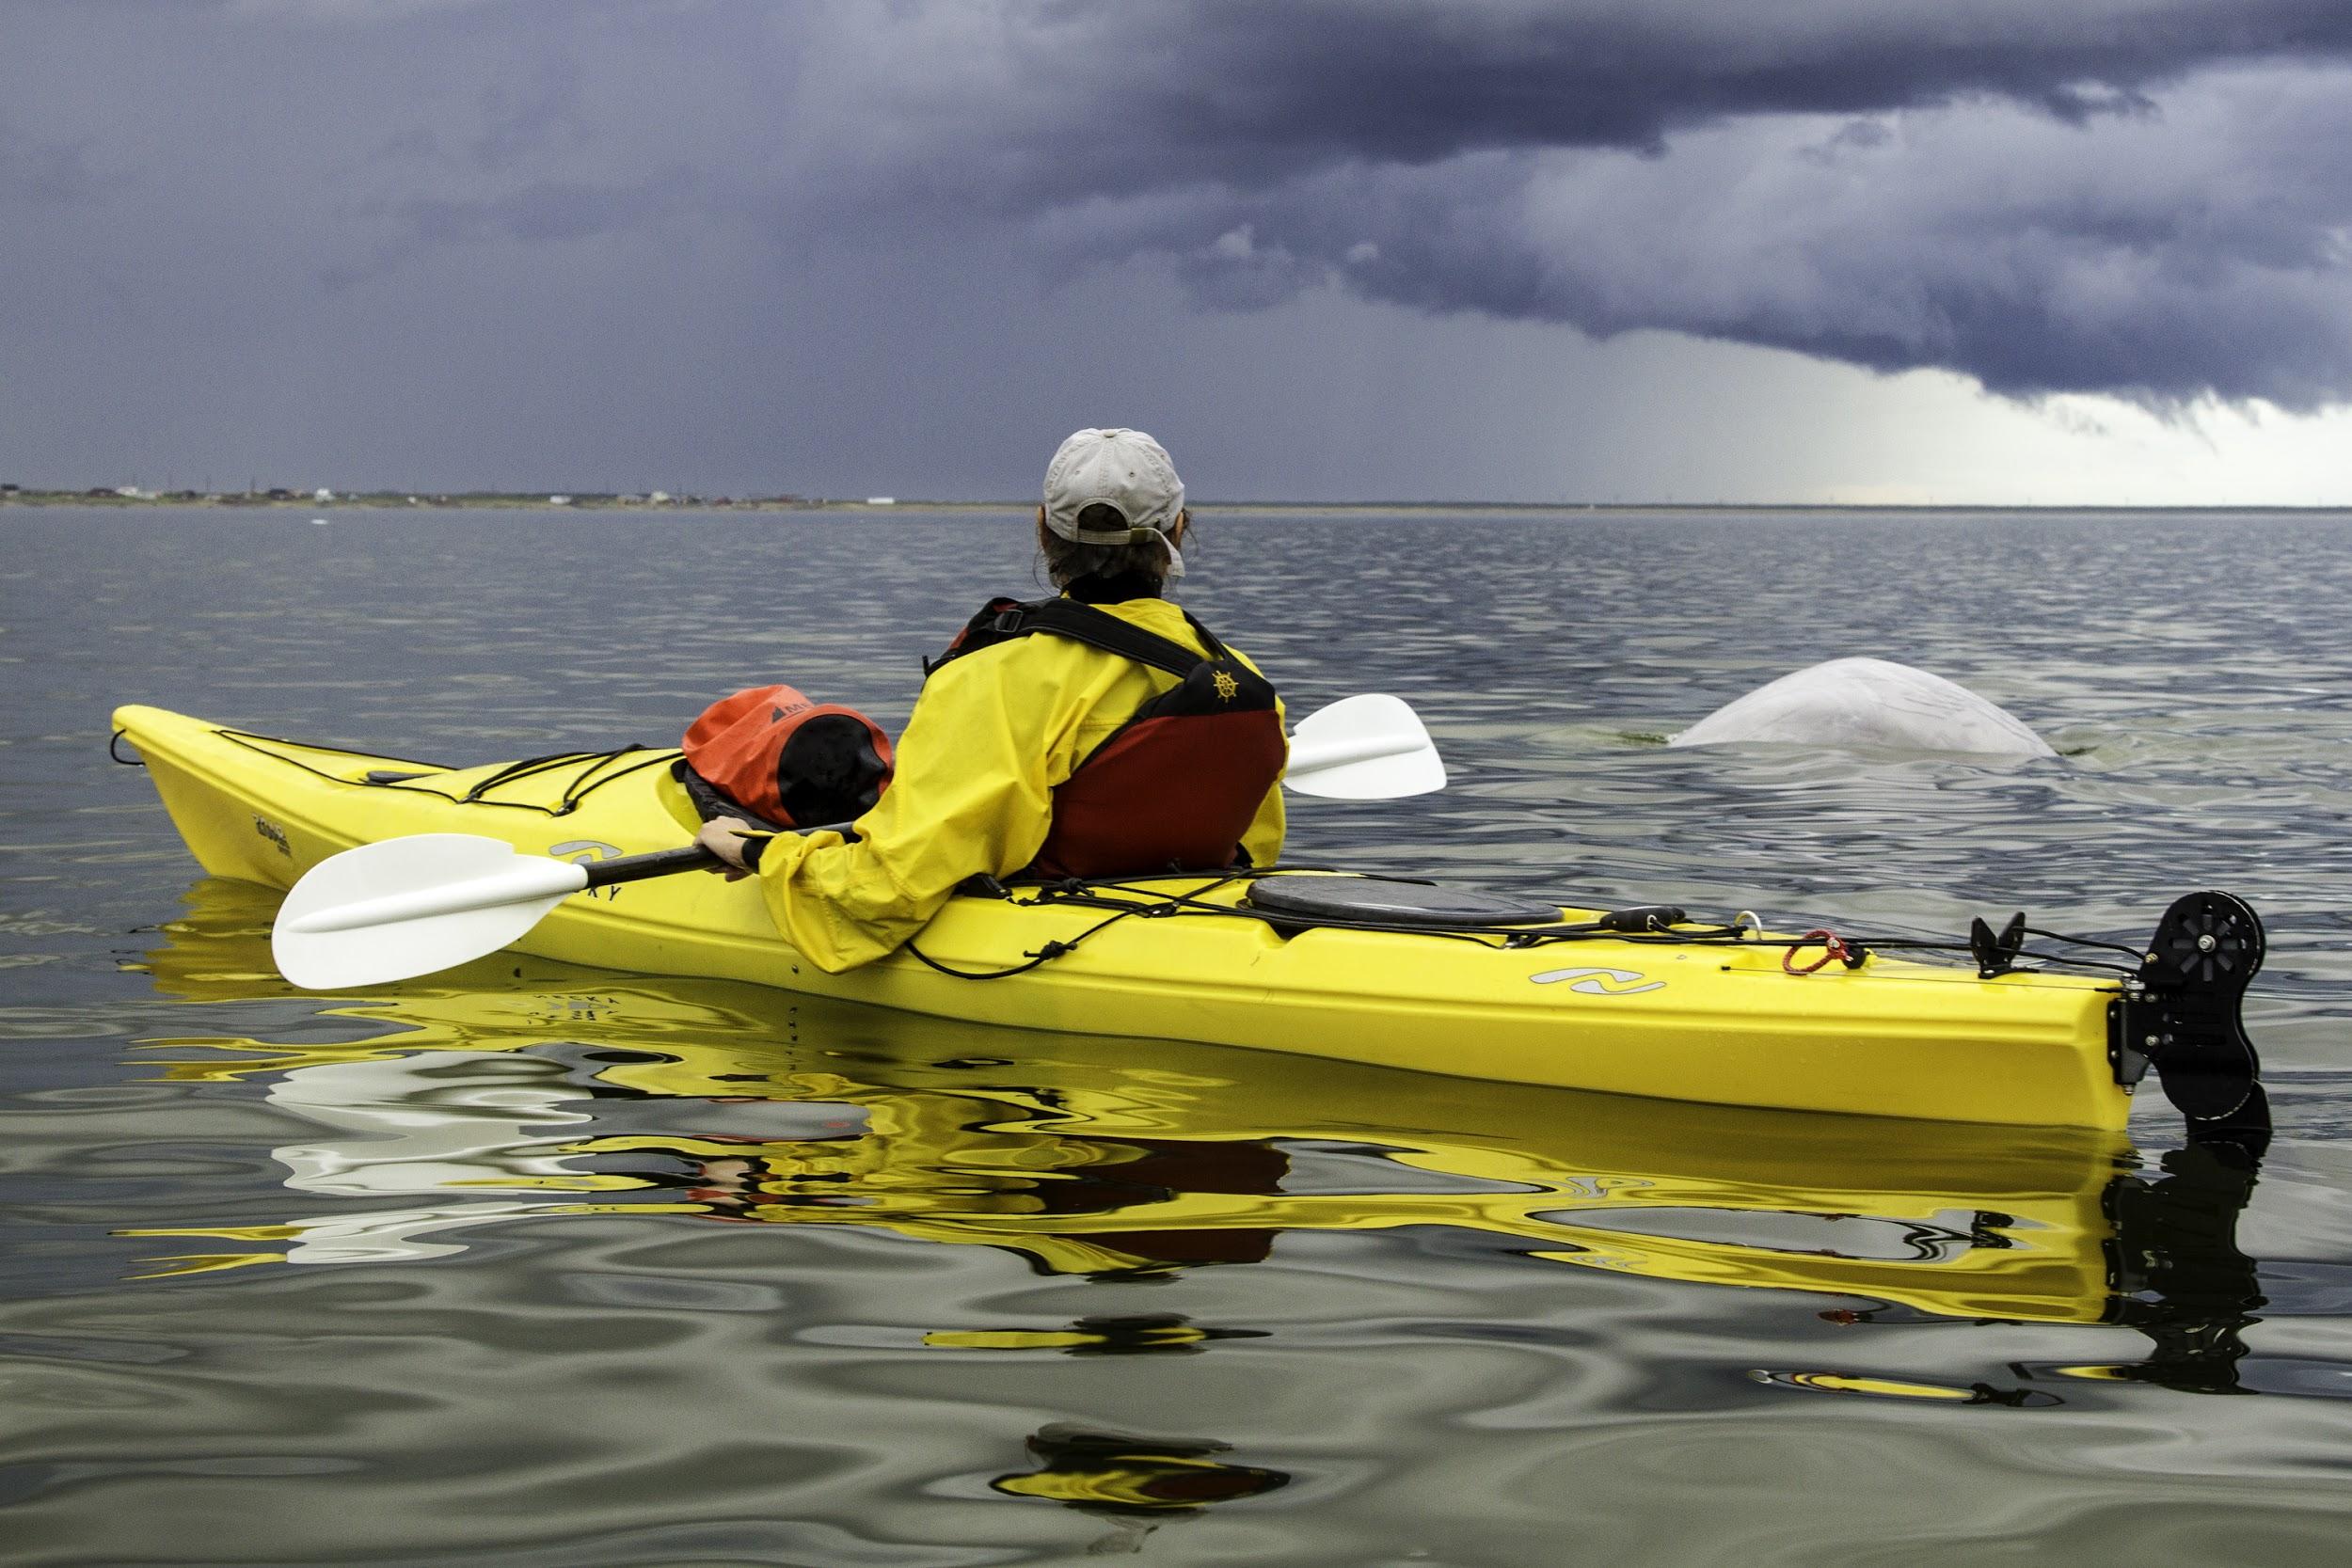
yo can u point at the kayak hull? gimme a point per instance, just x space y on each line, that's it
1708 1023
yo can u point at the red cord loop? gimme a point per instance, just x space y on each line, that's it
1833 946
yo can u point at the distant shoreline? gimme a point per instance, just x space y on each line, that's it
401 501
492 502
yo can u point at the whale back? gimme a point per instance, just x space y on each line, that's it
1867 703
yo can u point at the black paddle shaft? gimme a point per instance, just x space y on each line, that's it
661 862
669 862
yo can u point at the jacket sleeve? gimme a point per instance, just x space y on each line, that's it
972 791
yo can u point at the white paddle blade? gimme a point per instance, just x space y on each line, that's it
1368 748
412 906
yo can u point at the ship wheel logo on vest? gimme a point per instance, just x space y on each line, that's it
1227 687
1600 982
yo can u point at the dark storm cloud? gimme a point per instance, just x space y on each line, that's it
2200 251
1091 100
2143 197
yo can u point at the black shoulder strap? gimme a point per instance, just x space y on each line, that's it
1001 620
981 632
1096 629
1208 639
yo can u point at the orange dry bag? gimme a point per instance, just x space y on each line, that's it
789 761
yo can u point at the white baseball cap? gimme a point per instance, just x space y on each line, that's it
1125 470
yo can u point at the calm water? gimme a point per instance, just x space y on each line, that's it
534 1265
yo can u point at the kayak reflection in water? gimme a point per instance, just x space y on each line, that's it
1102 732
1135 1480
2175 1273
2196 1292
1084 1177
1206 1172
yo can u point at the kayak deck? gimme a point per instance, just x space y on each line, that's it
1709 1022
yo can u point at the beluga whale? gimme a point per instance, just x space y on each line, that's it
1868 704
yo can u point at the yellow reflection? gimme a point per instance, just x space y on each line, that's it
1156 1482
1896 1389
1833 1383
202 1263
1114 1472
1085 1155
1010 1338
1125 1335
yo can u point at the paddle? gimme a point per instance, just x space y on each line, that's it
404 906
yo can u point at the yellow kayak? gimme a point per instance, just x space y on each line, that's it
1544 998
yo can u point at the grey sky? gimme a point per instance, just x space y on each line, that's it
1582 251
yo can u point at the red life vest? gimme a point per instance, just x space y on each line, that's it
1175 786
791 762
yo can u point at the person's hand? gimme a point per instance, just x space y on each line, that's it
722 838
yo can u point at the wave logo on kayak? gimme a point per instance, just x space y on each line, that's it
1600 982
587 851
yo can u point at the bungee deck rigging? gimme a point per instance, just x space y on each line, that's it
1329 907
405 773
1454 914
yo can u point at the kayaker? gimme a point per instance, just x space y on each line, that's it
1102 732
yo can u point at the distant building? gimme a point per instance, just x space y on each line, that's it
660 497
8 489
552 501
322 494
882 500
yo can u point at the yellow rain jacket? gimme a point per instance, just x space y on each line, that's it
991 736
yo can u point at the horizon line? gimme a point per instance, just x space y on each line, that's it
557 499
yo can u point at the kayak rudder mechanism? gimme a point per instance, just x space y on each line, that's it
2179 1013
